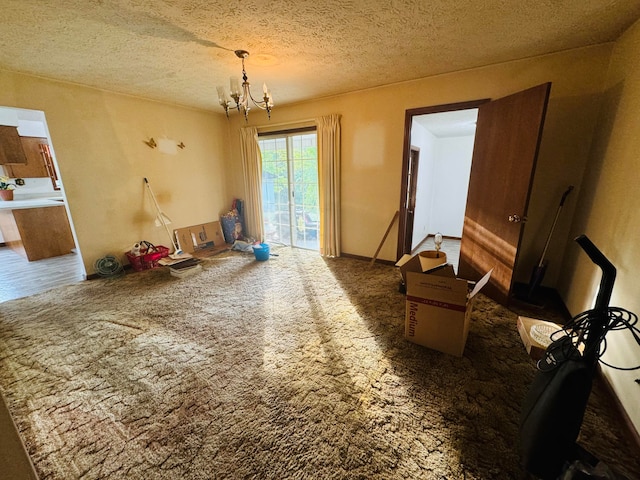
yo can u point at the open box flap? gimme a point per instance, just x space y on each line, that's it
420 262
404 259
481 283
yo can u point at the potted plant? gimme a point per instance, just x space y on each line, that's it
7 187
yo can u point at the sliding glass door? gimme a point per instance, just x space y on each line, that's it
290 188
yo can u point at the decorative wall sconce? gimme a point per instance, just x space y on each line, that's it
166 145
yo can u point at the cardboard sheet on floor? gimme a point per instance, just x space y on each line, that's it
201 240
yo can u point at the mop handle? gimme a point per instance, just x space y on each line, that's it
160 216
153 197
555 220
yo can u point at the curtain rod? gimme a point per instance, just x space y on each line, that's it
292 130
297 123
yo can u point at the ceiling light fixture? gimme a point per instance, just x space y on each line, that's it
242 96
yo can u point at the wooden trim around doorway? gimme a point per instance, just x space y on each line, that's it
408 123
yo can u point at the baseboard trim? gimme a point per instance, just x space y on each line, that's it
543 297
634 435
420 242
95 276
367 259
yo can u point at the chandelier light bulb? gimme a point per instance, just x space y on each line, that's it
234 86
241 94
222 95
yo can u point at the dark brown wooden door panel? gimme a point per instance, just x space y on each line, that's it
504 156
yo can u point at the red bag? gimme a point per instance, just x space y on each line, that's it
149 256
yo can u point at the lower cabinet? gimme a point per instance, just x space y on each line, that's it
37 233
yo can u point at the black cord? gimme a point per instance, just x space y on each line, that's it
581 327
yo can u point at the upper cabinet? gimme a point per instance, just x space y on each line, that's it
39 161
35 165
24 146
11 149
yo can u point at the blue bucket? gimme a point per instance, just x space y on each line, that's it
261 252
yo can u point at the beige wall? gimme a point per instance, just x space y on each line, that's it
608 213
98 140
373 132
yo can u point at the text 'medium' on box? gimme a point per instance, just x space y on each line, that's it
438 309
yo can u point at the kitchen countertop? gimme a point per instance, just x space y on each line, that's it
31 203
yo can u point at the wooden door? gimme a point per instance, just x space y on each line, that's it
504 156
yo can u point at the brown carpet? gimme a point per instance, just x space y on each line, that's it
294 368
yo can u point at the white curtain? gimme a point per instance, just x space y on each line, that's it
329 183
252 168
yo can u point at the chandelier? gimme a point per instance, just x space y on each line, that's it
242 93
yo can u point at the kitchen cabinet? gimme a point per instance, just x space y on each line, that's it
34 166
36 233
11 150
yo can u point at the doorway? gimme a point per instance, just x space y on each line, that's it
42 184
435 187
290 192
507 141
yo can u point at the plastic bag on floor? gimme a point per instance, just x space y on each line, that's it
241 246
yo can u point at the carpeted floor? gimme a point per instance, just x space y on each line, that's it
294 368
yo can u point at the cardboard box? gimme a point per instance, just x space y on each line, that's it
200 237
438 309
536 348
420 262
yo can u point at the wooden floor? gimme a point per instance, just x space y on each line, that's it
21 278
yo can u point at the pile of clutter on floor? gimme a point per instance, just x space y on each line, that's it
195 242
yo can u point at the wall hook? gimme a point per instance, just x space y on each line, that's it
151 143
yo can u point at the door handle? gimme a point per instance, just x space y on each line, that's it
515 218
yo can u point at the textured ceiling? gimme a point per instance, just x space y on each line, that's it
180 50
